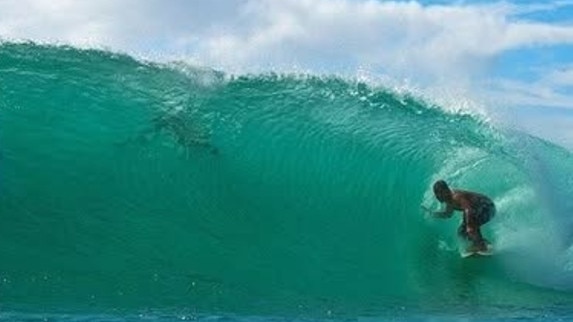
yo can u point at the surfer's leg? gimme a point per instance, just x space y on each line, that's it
485 212
463 231
482 216
471 244
478 240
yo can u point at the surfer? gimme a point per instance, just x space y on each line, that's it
477 210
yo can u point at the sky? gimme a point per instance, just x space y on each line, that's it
513 59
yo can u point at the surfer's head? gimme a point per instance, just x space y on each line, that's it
442 191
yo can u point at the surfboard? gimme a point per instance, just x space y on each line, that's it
465 253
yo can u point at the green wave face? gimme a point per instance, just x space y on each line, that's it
131 185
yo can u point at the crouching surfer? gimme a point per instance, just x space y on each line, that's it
477 210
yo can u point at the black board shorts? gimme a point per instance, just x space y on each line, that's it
484 211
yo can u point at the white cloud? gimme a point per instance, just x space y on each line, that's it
562 77
62 21
431 40
553 88
403 37
126 25
560 130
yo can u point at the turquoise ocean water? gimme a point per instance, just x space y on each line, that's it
140 191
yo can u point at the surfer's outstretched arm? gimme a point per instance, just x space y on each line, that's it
446 213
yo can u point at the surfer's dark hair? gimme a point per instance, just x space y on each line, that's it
441 184
439 187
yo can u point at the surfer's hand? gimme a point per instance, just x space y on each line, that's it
430 213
